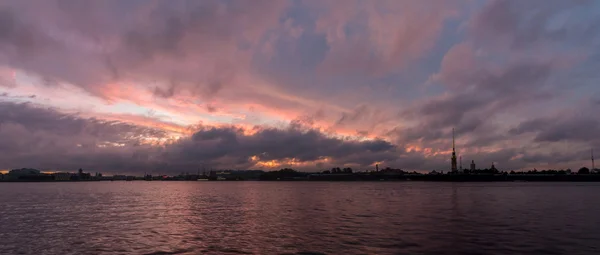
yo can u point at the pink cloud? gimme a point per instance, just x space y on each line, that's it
394 34
182 66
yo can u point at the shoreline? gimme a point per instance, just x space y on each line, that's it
374 178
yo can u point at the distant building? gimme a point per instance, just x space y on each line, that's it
62 176
22 173
119 177
493 168
81 175
235 175
472 165
27 174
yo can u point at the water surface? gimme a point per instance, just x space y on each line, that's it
299 217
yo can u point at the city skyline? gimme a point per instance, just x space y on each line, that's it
136 86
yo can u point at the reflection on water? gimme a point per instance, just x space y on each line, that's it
299 217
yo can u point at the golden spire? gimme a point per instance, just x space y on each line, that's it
453 159
452 139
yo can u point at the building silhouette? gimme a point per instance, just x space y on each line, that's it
493 168
62 176
472 165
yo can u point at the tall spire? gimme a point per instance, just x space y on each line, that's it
452 139
454 169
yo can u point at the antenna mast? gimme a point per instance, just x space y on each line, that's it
593 166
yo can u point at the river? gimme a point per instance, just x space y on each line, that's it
299 218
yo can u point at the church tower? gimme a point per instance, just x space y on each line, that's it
454 169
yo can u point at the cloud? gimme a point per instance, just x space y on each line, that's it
45 138
36 119
7 78
377 37
268 144
49 139
490 85
525 24
198 45
174 84
580 124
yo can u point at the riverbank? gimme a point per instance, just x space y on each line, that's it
376 177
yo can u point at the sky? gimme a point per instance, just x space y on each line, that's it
133 86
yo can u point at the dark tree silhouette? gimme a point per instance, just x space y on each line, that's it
583 170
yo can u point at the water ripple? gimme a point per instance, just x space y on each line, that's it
299 218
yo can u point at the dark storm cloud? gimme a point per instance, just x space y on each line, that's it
45 138
223 144
277 144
